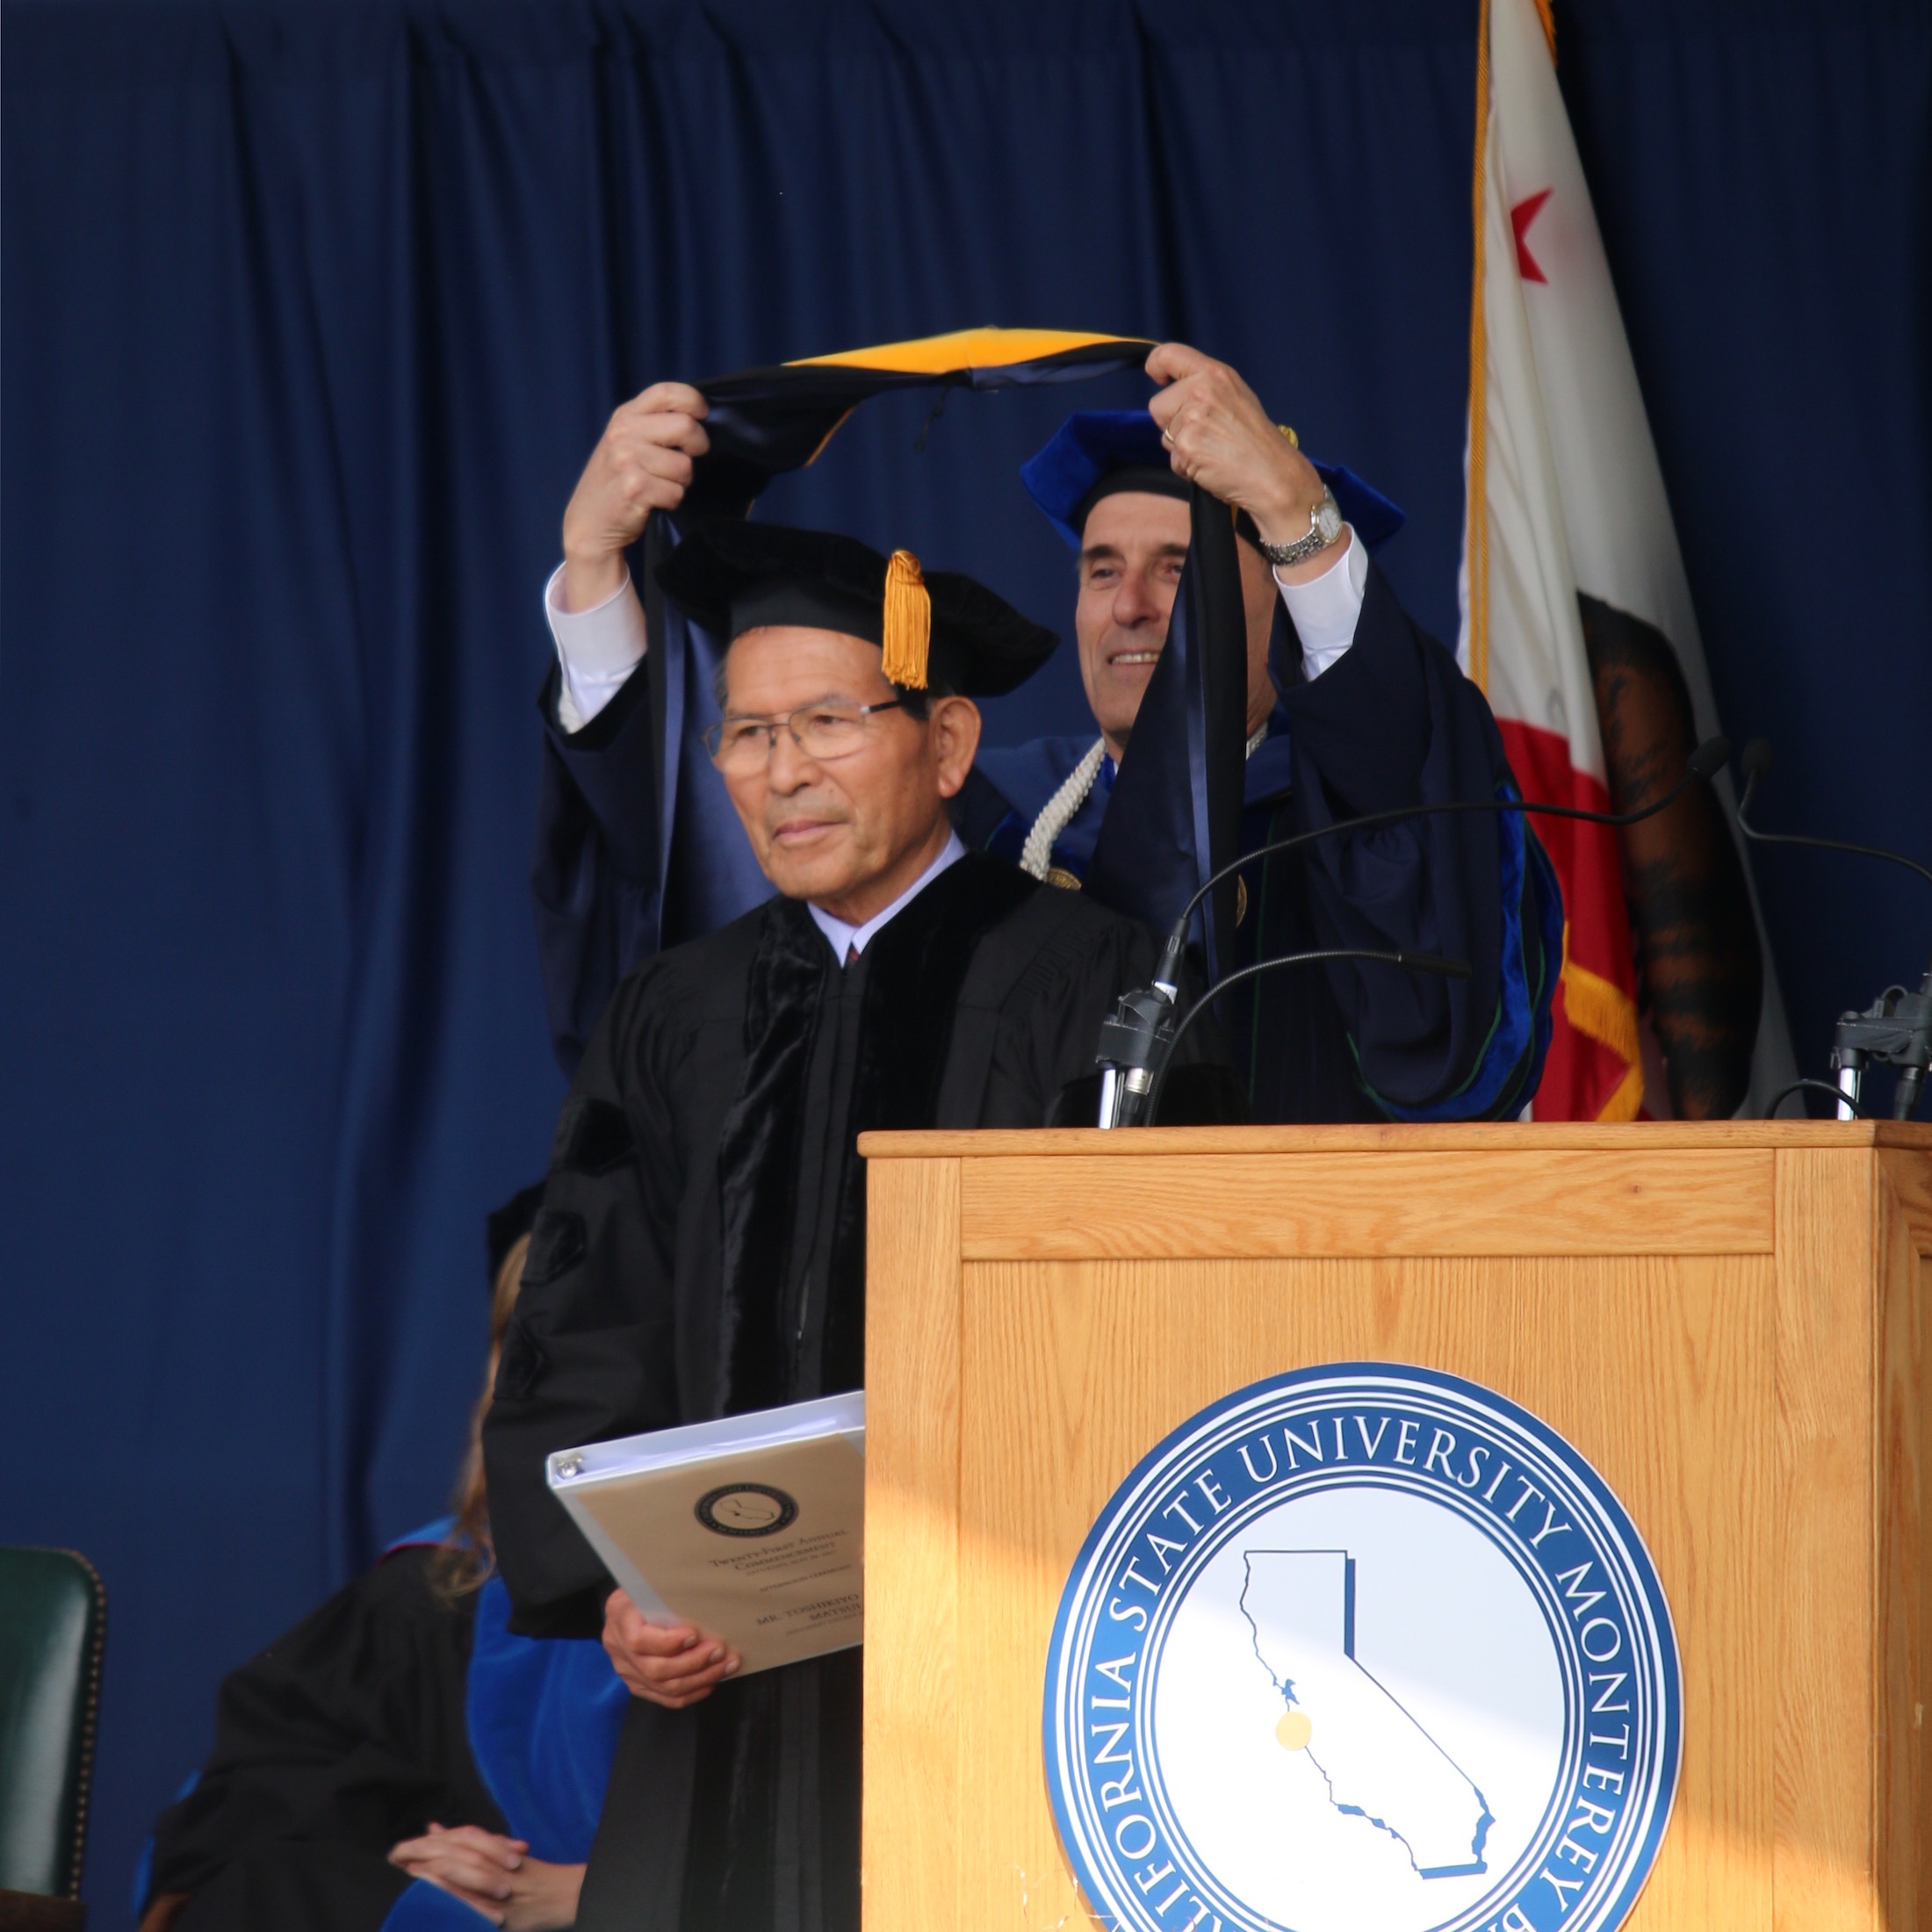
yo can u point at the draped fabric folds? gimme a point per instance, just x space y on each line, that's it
311 314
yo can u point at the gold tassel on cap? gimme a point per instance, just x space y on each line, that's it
907 635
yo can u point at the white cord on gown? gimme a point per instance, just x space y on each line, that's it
1037 855
1058 812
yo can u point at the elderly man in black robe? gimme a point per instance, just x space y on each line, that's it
702 1245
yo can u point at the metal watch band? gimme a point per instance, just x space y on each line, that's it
1324 526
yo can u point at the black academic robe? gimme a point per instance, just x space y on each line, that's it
340 1739
701 1252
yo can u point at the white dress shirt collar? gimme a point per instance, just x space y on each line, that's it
843 938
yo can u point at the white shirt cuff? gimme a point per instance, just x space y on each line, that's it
597 649
1324 611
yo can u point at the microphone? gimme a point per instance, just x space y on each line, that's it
1138 1038
1896 1028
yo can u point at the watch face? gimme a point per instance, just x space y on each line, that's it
746 1509
1328 520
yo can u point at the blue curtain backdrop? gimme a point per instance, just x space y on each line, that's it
311 314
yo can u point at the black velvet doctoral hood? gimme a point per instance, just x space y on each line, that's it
916 968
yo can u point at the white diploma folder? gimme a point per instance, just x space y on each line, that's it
751 1528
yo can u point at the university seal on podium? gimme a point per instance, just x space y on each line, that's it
1363 1648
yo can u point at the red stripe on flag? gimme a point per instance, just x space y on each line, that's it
1583 1075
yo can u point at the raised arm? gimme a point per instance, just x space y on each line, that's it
595 875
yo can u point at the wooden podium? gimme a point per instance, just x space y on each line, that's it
1731 1321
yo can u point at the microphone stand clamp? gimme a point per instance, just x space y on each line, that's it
1894 1030
1135 1038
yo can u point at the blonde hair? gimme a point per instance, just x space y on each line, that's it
466 1558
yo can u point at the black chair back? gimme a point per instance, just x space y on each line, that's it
52 1631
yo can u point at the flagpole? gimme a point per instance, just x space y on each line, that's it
1477 521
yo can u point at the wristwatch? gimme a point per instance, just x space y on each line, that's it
1324 526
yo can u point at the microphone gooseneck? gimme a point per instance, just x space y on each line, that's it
1702 765
1754 763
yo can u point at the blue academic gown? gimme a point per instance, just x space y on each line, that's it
1289 1042
1393 725
543 1715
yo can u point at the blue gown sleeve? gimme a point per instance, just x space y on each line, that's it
1394 722
543 1714
638 847
595 874
425 1907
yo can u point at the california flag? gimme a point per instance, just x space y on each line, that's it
1565 496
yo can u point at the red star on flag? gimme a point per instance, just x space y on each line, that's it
1525 211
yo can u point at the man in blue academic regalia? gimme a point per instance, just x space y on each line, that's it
1107 483
1351 709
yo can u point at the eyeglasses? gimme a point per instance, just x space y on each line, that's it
823 731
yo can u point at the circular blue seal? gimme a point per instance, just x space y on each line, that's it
1363 1648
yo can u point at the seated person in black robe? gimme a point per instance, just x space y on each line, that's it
1351 709
701 1249
400 1760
